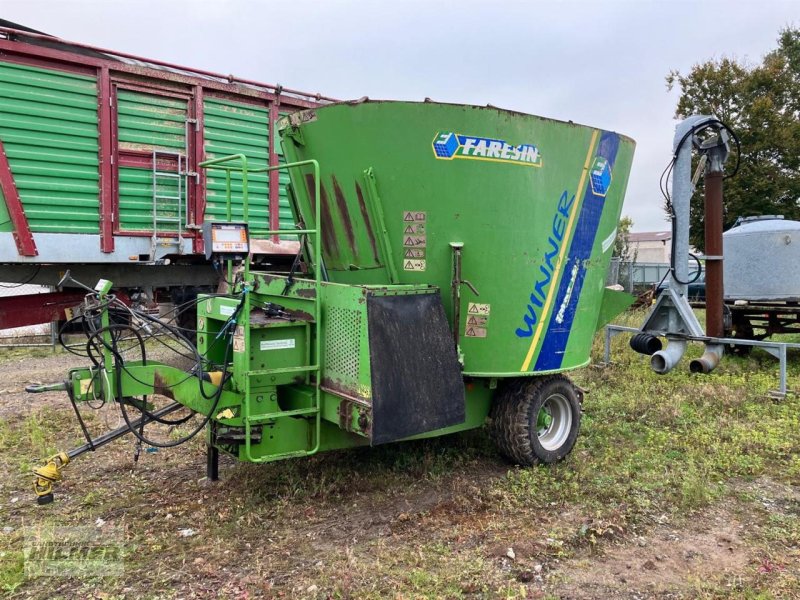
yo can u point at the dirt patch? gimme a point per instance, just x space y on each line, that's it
441 518
668 560
713 547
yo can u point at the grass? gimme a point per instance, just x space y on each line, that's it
436 518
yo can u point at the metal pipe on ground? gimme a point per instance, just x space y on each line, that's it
665 360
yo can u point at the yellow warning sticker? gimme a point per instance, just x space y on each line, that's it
474 308
474 331
414 265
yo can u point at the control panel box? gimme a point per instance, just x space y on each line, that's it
225 241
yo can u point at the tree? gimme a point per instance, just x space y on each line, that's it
761 103
623 254
622 243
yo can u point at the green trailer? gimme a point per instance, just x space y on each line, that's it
452 267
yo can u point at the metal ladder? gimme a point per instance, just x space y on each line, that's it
312 367
172 222
313 373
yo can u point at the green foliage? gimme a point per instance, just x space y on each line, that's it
436 518
12 567
622 243
762 105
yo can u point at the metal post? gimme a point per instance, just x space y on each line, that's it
783 369
456 290
713 237
607 349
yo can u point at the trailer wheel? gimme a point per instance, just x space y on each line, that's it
743 329
536 419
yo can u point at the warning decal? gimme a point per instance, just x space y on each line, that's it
414 265
414 229
411 241
472 331
414 240
479 321
478 309
414 216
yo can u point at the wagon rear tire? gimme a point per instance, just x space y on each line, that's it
536 419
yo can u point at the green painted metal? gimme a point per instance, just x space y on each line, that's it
240 128
248 379
48 125
285 214
508 199
410 211
236 128
296 387
148 122
5 219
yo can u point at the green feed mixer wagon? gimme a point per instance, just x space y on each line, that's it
452 268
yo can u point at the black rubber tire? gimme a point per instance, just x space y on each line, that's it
514 415
742 328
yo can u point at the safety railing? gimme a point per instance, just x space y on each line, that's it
237 163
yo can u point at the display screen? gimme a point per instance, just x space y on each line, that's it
230 234
229 238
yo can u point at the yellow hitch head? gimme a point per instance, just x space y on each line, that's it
46 475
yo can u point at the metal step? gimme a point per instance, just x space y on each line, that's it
283 370
299 412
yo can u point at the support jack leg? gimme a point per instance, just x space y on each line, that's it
212 463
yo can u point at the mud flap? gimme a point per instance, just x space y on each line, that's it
416 377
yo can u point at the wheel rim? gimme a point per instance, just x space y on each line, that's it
554 422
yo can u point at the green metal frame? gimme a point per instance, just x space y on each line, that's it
241 166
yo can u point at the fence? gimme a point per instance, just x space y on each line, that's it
637 275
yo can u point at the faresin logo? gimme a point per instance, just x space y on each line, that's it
600 177
448 145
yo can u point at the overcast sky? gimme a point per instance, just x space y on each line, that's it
538 57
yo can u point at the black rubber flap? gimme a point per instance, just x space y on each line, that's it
416 378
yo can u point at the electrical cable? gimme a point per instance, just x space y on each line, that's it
191 434
26 282
137 322
663 184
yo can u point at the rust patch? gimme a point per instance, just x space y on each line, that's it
341 204
299 315
329 242
161 387
364 422
364 215
306 292
345 415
